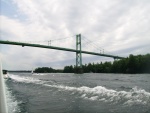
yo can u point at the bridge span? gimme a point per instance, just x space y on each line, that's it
57 48
78 50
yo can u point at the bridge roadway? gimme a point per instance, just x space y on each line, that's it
57 48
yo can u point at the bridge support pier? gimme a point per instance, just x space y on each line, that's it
78 69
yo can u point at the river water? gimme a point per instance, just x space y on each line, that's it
78 93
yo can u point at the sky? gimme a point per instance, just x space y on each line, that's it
118 27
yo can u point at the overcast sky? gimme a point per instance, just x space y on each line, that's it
120 27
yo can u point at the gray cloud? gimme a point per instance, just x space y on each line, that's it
120 27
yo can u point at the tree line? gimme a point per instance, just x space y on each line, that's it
132 64
47 70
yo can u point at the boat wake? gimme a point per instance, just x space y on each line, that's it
12 103
135 96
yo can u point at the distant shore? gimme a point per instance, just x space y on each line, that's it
131 65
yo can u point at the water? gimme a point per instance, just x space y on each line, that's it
71 93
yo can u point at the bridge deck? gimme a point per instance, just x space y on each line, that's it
57 48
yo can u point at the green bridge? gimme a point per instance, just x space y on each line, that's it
78 50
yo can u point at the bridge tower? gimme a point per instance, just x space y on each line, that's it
78 55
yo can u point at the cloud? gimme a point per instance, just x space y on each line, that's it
119 27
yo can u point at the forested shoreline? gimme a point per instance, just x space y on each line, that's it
132 64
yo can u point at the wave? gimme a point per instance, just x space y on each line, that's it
99 93
38 74
24 79
12 103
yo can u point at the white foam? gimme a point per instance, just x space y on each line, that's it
93 98
98 93
12 103
38 74
24 79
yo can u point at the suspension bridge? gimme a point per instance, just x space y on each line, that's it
78 50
